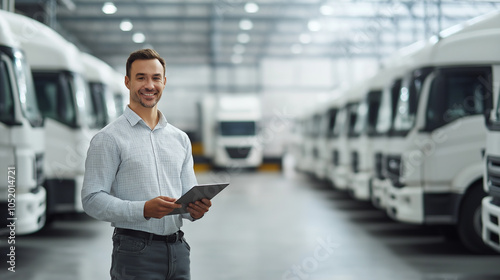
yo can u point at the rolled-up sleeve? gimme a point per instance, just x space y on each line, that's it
101 166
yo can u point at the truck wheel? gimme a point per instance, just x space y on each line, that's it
469 221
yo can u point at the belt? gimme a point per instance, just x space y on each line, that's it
172 238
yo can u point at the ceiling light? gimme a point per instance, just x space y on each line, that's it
246 24
314 25
126 25
109 8
243 38
326 10
236 59
305 38
251 7
138 37
239 49
296 49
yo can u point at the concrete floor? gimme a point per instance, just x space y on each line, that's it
276 225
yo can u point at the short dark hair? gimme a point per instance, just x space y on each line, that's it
144 54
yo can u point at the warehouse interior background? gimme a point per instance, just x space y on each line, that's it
293 54
294 57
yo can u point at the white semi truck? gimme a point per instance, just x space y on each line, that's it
64 101
361 154
491 183
230 130
434 162
343 133
22 196
322 149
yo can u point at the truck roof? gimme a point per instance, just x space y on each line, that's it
6 36
97 70
45 49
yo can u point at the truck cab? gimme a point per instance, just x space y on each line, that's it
361 155
21 140
231 133
344 130
491 182
435 157
64 101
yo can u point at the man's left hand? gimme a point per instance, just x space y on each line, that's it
199 208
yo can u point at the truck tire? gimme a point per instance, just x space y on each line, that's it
469 222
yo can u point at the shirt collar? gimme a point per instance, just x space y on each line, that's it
133 118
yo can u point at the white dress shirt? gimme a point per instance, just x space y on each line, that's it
128 163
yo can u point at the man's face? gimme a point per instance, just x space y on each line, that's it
146 82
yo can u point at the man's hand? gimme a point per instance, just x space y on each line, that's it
159 206
199 208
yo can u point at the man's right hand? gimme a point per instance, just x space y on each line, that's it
159 206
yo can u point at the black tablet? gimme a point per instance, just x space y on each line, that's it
197 193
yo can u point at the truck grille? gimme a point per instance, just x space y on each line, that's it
355 162
238 152
335 157
379 163
493 175
39 169
393 167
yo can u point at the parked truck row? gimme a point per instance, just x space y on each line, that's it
412 139
53 98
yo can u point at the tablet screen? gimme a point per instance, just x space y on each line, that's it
197 193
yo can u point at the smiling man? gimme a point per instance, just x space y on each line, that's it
135 169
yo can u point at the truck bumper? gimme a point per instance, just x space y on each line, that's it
491 227
380 190
64 195
340 177
360 186
411 204
406 204
29 210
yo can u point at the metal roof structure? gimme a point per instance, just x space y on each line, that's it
222 32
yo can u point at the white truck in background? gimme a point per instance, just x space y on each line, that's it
321 150
345 119
101 80
435 158
230 130
491 183
120 93
64 101
21 140
362 160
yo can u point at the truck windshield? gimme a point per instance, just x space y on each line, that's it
352 113
55 96
237 128
316 124
407 103
97 94
361 114
6 95
83 101
374 99
367 113
339 122
456 93
387 107
332 115
27 96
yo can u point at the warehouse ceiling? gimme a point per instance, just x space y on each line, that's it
222 32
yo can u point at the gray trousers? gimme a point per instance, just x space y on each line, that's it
137 258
